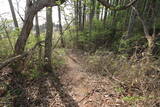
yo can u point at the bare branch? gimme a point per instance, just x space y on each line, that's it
40 4
20 16
142 21
110 6
63 33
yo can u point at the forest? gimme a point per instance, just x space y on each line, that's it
79 53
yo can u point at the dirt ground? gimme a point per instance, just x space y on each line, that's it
71 87
87 89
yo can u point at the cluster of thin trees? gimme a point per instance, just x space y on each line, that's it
85 11
143 11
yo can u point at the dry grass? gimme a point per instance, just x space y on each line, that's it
138 77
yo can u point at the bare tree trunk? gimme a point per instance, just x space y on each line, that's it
102 13
48 40
92 11
76 20
105 17
80 15
84 13
31 11
145 7
132 20
13 13
37 27
21 41
97 10
60 27
38 37
131 23
150 38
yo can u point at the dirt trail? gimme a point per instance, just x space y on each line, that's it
72 87
88 90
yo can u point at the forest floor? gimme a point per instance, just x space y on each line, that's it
70 87
87 89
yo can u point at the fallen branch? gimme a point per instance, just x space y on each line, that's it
18 57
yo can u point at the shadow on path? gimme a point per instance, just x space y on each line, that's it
67 100
44 93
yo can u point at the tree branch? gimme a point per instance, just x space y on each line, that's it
110 6
40 4
142 21
18 57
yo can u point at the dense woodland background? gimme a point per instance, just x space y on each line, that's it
116 39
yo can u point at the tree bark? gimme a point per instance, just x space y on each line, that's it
150 38
31 11
102 11
97 10
105 17
37 26
38 37
131 23
60 27
92 11
13 13
48 40
22 39
76 20
84 14
80 15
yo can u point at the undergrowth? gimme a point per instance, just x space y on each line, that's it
138 79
